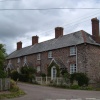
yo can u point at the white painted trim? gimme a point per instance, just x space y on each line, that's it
52 77
76 60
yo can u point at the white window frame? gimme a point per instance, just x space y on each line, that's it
38 56
18 61
73 50
50 54
25 59
9 62
38 69
53 73
73 68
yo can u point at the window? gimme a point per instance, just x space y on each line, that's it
72 68
38 68
50 54
25 59
18 60
72 50
54 73
9 61
39 56
25 62
18 70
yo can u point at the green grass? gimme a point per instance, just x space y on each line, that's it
12 94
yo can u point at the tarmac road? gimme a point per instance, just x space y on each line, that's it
37 92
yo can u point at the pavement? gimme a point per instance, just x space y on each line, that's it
37 92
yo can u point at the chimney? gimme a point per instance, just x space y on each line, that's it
95 30
34 39
58 32
19 45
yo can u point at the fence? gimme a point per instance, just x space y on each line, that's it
47 80
4 84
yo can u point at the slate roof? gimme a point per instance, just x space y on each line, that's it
71 39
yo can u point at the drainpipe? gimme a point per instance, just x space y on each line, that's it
76 59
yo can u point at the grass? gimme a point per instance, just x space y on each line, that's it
13 92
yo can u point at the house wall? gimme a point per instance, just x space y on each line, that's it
93 61
88 59
81 58
63 54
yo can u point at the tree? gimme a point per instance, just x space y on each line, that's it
2 55
2 59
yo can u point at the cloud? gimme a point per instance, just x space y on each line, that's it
22 25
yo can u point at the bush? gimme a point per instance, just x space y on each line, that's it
27 74
13 86
14 75
43 74
2 74
74 87
23 78
81 78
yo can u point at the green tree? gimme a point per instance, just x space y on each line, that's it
2 55
2 59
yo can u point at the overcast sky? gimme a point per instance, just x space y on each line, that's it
16 25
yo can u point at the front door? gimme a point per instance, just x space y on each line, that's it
53 73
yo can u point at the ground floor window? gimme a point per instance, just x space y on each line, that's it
72 68
38 68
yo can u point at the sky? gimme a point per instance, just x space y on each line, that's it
21 25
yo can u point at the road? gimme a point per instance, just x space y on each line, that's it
37 92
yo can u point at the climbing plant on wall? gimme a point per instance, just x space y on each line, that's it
57 68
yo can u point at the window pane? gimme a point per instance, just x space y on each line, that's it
38 68
50 54
72 50
72 68
38 56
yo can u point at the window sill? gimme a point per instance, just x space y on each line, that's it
50 57
38 59
72 55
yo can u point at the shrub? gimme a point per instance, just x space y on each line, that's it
23 77
43 74
81 78
14 75
74 86
13 86
27 74
2 74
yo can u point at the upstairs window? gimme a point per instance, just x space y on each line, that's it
72 68
9 61
39 56
50 54
72 50
25 59
18 60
